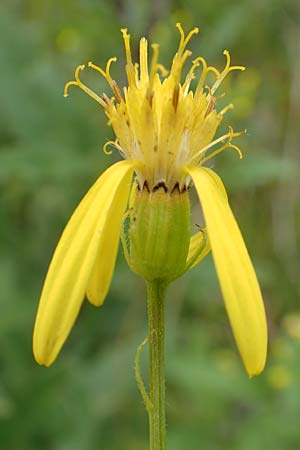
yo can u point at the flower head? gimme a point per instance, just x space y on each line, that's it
160 123
165 131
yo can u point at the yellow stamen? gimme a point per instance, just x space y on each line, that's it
226 70
228 58
101 71
82 86
144 60
129 68
113 144
184 57
182 36
67 85
178 63
230 135
184 40
112 83
182 54
190 75
126 38
166 135
242 68
221 149
153 70
162 69
227 108
136 73
211 100
107 71
106 99
191 33
235 147
205 70
211 104
117 91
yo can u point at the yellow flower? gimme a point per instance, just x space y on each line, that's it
165 132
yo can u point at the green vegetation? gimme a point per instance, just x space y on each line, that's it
51 152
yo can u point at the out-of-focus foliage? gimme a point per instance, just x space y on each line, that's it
50 152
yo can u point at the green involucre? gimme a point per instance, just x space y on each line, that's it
159 234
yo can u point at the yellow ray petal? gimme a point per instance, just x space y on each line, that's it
102 271
72 262
237 278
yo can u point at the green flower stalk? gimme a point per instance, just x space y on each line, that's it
165 133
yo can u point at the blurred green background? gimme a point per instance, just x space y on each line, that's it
51 152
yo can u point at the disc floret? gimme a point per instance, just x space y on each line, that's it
158 120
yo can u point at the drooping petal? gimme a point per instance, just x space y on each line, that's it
237 278
103 268
73 259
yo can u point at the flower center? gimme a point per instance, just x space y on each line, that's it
159 122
